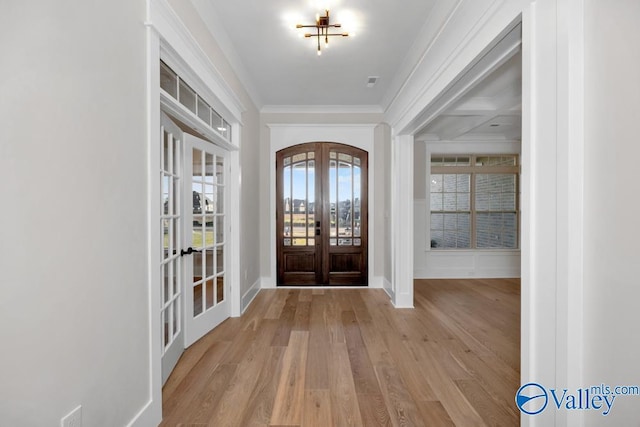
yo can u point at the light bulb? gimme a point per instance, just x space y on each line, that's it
319 52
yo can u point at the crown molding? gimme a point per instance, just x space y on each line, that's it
322 109
433 27
211 19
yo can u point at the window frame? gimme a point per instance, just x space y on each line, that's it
473 170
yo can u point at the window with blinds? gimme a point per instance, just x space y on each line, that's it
474 202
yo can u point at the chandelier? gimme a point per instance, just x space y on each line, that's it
322 26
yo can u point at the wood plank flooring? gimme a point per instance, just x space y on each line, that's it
346 357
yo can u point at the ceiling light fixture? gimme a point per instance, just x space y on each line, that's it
322 27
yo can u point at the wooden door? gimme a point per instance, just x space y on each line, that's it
321 215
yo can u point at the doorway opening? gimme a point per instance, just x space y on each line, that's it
194 174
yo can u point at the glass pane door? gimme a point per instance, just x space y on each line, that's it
171 231
322 215
205 237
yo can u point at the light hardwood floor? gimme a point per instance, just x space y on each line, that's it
343 357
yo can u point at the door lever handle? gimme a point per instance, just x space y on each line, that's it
189 251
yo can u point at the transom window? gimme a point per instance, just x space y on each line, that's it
474 202
175 86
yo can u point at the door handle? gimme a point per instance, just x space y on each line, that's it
317 231
189 251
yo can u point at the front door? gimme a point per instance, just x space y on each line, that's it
322 215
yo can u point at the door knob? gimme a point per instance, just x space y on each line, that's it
189 251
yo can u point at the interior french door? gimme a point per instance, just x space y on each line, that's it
171 218
322 211
194 298
207 305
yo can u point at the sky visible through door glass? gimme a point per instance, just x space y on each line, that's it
344 181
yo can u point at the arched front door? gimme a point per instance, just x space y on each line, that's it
322 214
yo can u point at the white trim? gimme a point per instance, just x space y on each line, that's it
322 109
377 282
268 283
287 135
182 113
388 288
146 416
233 217
250 295
570 358
469 147
152 411
526 218
444 62
201 72
435 24
505 49
402 220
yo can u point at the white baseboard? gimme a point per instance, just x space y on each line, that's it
386 285
466 274
150 415
377 282
251 293
267 283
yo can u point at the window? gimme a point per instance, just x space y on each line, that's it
474 202
178 89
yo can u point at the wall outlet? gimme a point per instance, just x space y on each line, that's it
73 418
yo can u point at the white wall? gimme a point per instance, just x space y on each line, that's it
73 252
611 210
454 264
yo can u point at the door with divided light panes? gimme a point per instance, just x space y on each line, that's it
193 287
322 215
207 302
172 229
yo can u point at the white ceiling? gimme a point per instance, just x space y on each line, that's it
281 69
282 66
